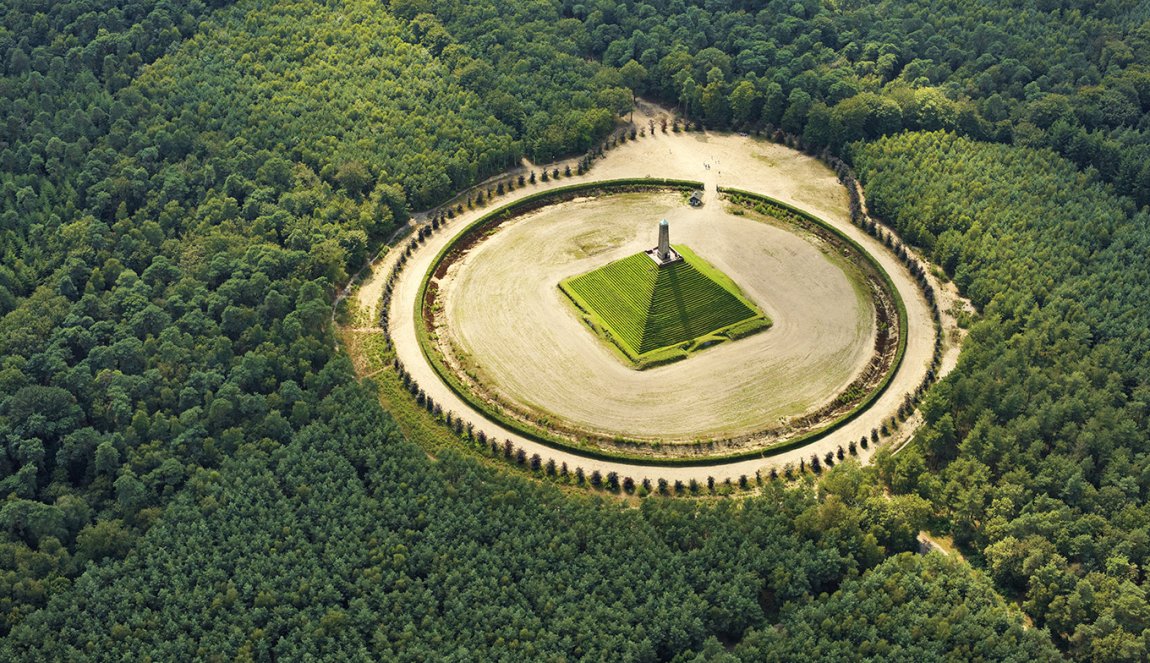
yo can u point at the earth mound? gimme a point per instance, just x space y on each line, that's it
645 307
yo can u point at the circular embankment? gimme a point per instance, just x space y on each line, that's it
732 161
500 332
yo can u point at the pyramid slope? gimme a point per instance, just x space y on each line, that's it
646 307
687 304
620 294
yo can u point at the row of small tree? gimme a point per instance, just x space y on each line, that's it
878 230
875 228
393 276
482 194
917 269
612 481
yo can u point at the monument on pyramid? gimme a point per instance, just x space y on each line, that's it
663 254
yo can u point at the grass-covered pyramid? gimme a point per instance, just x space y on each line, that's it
648 309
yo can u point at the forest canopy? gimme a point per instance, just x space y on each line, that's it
190 468
1034 451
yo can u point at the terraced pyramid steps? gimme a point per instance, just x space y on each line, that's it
671 309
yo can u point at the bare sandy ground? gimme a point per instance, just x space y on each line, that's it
505 311
728 160
370 290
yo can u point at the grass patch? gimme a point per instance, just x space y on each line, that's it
647 309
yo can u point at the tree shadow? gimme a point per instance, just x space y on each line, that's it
680 305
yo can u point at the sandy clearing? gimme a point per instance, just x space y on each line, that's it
734 161
504 309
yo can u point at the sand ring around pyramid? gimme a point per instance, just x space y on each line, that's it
505 336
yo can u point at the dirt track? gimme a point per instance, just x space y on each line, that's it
715 159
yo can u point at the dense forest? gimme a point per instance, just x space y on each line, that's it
189 468
1035 450
365 550
1070 76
